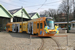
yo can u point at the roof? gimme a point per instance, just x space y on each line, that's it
61 22
26 13
14 11
73 21
6 11
31 14
42 15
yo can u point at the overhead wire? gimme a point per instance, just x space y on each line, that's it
9 3
30 6
22 1
42 4
17 2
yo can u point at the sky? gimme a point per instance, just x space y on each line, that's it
31 5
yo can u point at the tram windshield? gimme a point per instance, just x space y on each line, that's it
50 23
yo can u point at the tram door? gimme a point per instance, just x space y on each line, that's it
41 28
15 26
38 27
29 28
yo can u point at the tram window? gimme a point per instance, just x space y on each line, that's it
37 25
73 25
20 26
40 25
44 24
27 26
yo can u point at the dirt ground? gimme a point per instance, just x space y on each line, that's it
21 41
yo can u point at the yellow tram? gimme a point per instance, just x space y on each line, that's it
43 26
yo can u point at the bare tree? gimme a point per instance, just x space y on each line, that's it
63 9
49 13
63 6
44 13
52 12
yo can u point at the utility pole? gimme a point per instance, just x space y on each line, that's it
22 18
67 16
73 9
57 16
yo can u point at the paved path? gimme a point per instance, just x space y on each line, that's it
21 41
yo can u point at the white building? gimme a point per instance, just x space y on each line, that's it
71 24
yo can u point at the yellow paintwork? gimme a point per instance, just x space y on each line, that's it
46 29
24 27
56 27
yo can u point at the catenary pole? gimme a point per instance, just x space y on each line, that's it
67 16
73 9
22 18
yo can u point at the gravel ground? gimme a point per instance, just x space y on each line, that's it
21 41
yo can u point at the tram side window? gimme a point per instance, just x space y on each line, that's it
27 25
44 24
20 26
40 25
73 25
37 25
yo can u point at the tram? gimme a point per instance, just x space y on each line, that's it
43 26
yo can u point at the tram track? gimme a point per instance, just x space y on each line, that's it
43 42
56 43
